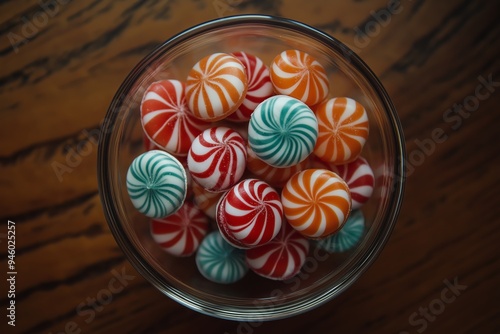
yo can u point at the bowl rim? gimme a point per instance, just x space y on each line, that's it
247 313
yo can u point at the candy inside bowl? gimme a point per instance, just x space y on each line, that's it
328 267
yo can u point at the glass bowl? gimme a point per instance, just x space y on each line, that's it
324 275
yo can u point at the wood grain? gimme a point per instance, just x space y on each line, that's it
56 85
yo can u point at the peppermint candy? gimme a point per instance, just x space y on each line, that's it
250 214
217 158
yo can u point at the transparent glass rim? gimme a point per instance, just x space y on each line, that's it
235 312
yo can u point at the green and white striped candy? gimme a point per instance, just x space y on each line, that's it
156 184
282 131
220 262
348 236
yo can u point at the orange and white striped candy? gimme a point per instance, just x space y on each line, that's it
216 87
316 202
342 130
297 74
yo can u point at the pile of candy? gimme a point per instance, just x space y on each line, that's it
263 154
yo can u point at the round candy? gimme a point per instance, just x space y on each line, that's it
165 119
216 87
217 158
276 177
343 130
282 131
156 183
281 258
206 200
180 234
220 262
348 236
359 177
316 202
250 214
297 74
259 86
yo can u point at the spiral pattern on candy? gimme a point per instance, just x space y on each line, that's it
216 87
217 158
165 118
282 258
156 183
343 130
180 234
297 74
259 86
282 131
275 176
220 262
250 214
316 202
348 236
359 177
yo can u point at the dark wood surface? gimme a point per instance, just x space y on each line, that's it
60 68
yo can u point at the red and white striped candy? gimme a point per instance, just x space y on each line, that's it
281 258
165 119
250 214
360 179
275 176
180 233
216 87
259 86
217 158
206 200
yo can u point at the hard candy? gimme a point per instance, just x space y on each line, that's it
250 214
216 87
282 258
316 202
359 178
347 237
259 86
217 158
282 131
165 118
297 74
157 184
180 234
358 175
220 262
342 130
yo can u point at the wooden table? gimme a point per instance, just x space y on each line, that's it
61 64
